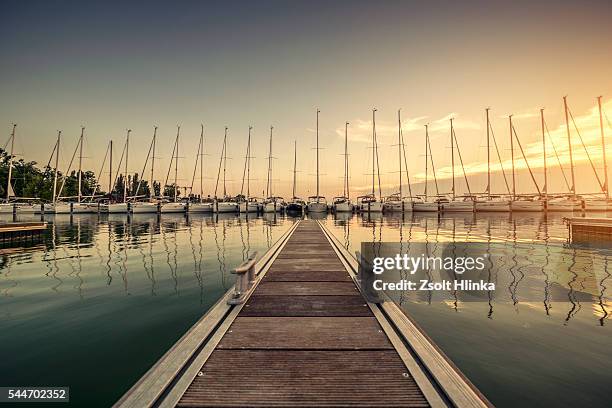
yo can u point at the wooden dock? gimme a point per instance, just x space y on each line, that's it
13 231
589 229
302 335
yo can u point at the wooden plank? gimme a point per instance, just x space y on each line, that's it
257 378
322 306
307 276
326 333
306 288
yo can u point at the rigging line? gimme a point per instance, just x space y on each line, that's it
245 167
526 162
557 156
59 193
196 165
219 170
433 168
603 188
143 170
170 166
499 158
119 168
377 164
100 172
406 164
51 156
607 120
461 161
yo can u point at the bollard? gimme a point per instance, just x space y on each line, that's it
244 280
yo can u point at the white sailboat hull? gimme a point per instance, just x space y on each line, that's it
272 207
596 205
526 206
398 206
84 208
346 206
118 208
144 207
225 207
62 208
425 207
200 207
492 206
173 208
562 205
317 207
374 207
458 206
6 208
27 209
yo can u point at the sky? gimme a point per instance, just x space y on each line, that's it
110 66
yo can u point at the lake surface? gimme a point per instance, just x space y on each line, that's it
544 337
100 299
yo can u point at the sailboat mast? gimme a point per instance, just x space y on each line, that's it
202 163
249 165
59 135
224 163
603 147
269 188
125 179
178 130
545 190
346 164
488 156
110 169
373 149
399 149
80 161
318 111
512 158
426 157
294 164
452 158
151 187
10 172
569 141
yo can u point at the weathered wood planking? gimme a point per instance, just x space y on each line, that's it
305 337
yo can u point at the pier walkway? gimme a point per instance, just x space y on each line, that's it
304 336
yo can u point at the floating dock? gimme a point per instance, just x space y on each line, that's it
296 331
582 229
14 231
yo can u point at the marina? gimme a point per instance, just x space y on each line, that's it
168 272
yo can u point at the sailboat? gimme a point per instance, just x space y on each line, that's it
272 204
423 203
297 205
396 202
174 206
248 204
78 207
317 203
343 203
201 205
369 203
7 207
226 205
150 206
457 203
523 203
490 202
557 203
122 207
592 204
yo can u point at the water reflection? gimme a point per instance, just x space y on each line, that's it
534 259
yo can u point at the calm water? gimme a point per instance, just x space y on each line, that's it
97 302
544 337
101 299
